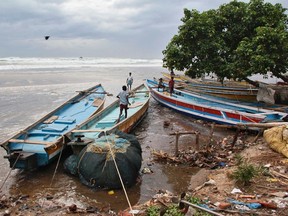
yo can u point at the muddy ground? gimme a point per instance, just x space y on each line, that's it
212 162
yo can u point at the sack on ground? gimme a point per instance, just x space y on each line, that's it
277 139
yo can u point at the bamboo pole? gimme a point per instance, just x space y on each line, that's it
211 134
235 136
176 147
263 125
260 132
197 141
201 208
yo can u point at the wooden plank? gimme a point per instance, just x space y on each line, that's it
263 125
137 104
87 131
51 119
97 102
30 142
184 132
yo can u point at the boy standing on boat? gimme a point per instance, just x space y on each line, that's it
171 85
129 81
124 101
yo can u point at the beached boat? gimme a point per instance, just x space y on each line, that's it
229 89
108 119
40 143
177 77
238 94
211 109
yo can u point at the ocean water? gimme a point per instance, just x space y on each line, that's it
32 87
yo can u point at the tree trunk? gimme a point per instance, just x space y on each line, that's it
283 77
254 83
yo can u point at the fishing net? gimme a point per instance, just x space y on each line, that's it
95 165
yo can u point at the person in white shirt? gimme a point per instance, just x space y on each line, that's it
129 81
124 101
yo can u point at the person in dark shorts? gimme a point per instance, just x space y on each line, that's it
124 101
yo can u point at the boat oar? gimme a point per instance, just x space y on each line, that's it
108 94
147 91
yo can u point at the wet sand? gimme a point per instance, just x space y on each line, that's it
152 134
19 110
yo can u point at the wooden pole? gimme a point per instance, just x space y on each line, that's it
176 147
235 136
211 134
197 141
260 132
201 208
264 125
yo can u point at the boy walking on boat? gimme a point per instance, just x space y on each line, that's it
124 101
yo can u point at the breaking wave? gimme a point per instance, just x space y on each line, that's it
17 63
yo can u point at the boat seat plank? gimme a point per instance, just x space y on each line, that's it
87 131
104 124
97 102
51 119
136 104
44 134
109 122
55 128
29 142
65 121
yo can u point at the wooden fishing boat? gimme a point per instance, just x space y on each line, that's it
229 89
177 77
238 94
108 119
40 143
210 109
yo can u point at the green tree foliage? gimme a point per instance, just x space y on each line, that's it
235 41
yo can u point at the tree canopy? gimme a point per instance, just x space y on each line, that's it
235 41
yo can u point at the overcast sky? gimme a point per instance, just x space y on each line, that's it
94 28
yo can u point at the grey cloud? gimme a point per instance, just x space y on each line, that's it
106 28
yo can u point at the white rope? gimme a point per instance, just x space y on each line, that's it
123 186
10 171
58 161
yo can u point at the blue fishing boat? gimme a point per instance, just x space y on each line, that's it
108 119
40 143
211 109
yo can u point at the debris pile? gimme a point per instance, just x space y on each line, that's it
212 157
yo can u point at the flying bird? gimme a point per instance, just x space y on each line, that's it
47 37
